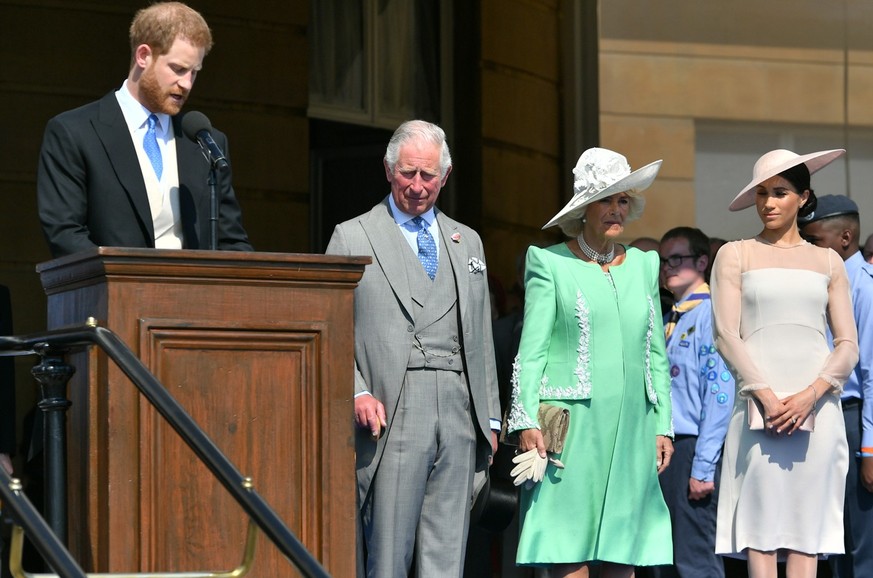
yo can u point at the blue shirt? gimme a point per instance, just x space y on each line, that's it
701 388
408 228
859 385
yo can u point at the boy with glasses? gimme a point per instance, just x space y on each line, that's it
702 391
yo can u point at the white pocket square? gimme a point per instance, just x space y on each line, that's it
476 265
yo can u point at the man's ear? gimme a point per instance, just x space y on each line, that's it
846 238
702 263
143 55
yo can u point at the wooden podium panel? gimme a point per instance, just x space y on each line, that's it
258 348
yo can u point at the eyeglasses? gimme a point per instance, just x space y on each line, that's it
676 260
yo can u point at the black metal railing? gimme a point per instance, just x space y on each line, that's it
52 346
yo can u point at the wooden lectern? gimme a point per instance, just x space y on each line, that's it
259 349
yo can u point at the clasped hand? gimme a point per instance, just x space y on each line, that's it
787 415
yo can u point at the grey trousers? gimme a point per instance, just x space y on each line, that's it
418 507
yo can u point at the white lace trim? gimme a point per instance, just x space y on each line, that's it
518 417
582 388
650 388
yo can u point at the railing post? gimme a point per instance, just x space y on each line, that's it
52 374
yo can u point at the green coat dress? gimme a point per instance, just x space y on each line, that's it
594 343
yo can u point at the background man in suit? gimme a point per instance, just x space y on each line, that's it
118 171
836 224
424 365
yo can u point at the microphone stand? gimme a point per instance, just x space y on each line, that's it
213 205
215 166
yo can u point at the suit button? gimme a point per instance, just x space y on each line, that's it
455 338
451 361
410 328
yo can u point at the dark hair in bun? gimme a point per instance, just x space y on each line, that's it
798 176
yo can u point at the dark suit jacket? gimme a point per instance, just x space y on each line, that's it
91 192
7 380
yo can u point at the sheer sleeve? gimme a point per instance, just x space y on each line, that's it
726 288
842 360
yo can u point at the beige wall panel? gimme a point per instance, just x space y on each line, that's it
521 190
647 139
669 203
736 52
721 89
520 110
860 93
521 34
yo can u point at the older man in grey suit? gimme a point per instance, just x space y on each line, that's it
425 380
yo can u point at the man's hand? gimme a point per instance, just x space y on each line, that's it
6 463
493 446
866 473
370 414
664 452
698 489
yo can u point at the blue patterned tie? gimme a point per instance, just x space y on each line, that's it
150 145
427 252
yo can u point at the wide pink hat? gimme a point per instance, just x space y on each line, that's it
774 162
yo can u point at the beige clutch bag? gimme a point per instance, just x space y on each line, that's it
554 423
755 413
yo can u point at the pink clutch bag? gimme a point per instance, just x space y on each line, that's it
755 413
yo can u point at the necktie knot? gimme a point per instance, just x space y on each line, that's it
150 145
427 252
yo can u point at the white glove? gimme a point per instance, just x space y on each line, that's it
530 468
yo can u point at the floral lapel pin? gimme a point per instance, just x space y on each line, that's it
475 265
456 237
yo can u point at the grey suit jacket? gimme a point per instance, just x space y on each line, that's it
383 307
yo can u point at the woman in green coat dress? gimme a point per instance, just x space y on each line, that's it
593 342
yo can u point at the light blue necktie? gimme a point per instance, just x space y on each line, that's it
150 145
427 251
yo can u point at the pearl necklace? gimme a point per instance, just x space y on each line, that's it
599 258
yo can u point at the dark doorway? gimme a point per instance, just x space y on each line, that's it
346 174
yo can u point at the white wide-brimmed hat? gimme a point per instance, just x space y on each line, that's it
600 173
774 162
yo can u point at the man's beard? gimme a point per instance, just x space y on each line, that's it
155 98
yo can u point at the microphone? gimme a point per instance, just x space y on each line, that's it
197 127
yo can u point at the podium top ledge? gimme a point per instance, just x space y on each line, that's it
92 265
